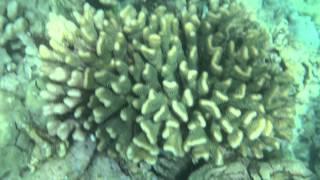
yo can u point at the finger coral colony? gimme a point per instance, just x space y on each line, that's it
143 82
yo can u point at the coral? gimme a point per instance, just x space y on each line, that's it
11 23
44 147
65 6
108 2
142 83
280 169
70 167
18 52
17 129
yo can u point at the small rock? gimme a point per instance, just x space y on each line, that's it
103 168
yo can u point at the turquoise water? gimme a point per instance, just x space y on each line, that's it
141 89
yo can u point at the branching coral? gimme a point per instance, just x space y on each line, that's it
18 50
143 83
11 25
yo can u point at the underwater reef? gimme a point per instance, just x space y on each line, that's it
151 90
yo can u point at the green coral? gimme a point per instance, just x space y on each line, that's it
11 22
12 25
143 83
18 51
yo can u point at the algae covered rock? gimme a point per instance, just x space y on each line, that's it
8 129
12 162
309 8
14 144
70 167
267 170
236 170
102 168
144 82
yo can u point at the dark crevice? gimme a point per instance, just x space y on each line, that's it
306 74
